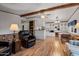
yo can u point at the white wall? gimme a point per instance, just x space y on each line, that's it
40 34
24 22
6 20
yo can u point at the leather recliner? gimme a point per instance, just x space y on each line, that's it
27 40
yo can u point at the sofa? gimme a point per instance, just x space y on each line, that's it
5 48
73 46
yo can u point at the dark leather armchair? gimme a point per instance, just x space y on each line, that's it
5 48
27 40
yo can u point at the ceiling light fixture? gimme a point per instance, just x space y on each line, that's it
42 16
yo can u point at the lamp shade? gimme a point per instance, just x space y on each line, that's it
14 27
77 26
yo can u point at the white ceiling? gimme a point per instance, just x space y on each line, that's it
62 14
22 8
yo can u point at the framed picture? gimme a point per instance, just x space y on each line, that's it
75 30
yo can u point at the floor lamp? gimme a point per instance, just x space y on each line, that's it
14 28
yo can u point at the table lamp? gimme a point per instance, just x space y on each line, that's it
77 26
14 28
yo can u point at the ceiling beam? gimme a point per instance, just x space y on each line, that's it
51 9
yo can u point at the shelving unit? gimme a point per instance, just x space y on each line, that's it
31 27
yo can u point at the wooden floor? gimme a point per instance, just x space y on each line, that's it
51 46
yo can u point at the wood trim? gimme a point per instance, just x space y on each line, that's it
51 9
8 12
